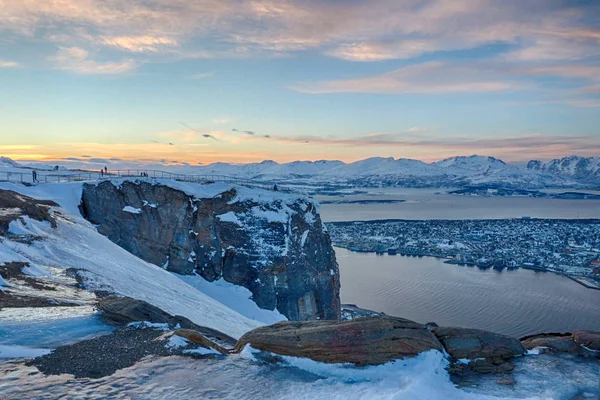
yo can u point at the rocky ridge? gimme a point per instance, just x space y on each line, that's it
277 246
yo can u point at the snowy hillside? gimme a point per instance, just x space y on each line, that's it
75 243
573 166
7 162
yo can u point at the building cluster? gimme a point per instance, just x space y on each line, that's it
571 247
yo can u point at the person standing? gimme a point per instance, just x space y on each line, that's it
34 175
101 173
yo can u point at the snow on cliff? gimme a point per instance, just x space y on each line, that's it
75 243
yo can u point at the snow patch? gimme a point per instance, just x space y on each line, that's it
304 237
230 217
271 216
176 342
132 210
202 351
236 297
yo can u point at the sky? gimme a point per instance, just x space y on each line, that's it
201 81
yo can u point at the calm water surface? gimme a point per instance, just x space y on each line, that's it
426 204
516 303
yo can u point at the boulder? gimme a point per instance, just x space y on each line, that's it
472 344
273 244
559 342
121 310
361 341
588 339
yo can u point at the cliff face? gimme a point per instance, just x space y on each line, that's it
273 244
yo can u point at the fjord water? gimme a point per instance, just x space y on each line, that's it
423 204
516 302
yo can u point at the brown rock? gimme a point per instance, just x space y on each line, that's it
198 338
474 343
589 339
123 310
487 367
560 342
362 341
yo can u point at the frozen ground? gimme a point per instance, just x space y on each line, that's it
244 377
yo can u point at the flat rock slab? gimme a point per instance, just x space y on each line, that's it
589 339
472 344
559 342
361 341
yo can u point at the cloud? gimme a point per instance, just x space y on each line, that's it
141 44
77 60
517 147
8 64
350 30
426 78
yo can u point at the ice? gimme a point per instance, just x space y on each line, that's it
51 332
8 351
243 376
132 210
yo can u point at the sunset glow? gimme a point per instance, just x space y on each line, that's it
206 81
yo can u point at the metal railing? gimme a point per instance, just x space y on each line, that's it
75 176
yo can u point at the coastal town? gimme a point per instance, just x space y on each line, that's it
568 247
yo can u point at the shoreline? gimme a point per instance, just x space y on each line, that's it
451 262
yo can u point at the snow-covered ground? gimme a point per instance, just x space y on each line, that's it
75 243
243 377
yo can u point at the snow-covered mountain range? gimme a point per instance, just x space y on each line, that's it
459 171
378 171
574 167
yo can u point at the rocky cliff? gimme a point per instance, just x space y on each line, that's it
273 244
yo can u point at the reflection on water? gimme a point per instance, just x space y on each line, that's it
516 303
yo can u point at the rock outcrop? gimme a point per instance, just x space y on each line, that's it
121 310
273 244
361 341
478 351
471 344
582 343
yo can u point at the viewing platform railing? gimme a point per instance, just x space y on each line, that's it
79 176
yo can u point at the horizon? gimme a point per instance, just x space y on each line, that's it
242 82
94 162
